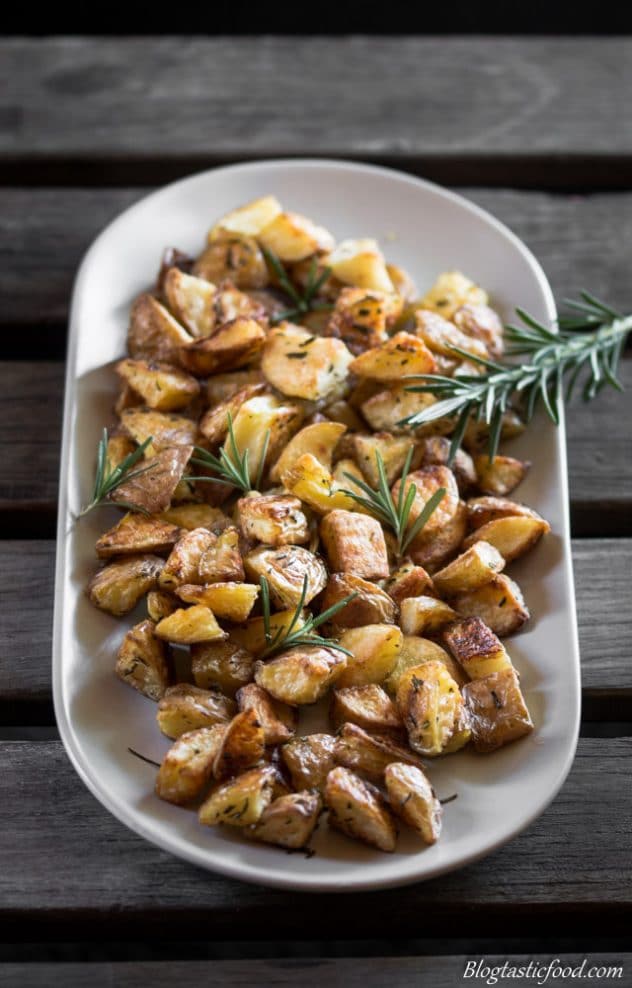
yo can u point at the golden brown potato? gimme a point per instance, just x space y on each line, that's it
427 482
242 747
344 470
191 301
342 413
304 366
481 510
183 564
314 484
360 317
370 707
119 448
369 754
441 336
185 708
277 720
392 449
248 220
189 625
234 344
472 569
512 536
413 799
289 821
435 451
414 652
160 385
501 476
424 615
358 810
481 323
450 291
164 428
221 387
221 561
309 760
142 661
354 543
402 282
160 604
230 303
477 432
222 665
187 768
431 707
475 647
275 519
239 802
361 263
258 416
373 656
500 604
233 256
214 424
285 568
153 332
386 410
192 516
371 605
400 356
230 601
409 581
136 533
302 674
319 439
498 712
152 490
252 634
433 550
119 586
293 237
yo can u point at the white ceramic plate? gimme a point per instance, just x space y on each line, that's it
427 230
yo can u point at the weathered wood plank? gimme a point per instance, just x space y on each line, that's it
605 628
97 878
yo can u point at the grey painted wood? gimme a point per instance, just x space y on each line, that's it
92 876
408 96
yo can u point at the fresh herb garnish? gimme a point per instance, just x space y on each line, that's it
294 634
108 478
231 468
302 304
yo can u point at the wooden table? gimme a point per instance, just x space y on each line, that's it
536 130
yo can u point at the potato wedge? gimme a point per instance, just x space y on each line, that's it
343 471
354 543
142 661
119 586
414 652
221 560
163 428
293 237
392 449
450 291
314 484
234 344
185 708
374 650
160 604
361 263
277 720
387 411
441 336
233 256
161 386
119 448
413 799
252 635
191 301
409 581
427 482
481 323
512 536
399 356
248 220
431 707
302 674
424 615
231 303
136 533
304 366
481 510
153 490
309 760
472 569
369 706
192 516
214 424
500 604
475 647
275 519
257 416
285 569
434 550
497 710
435 451
500 477
319 439
370 606
361 317
358 810
230 601
369 754
223 665
183 564
187 768
153 332
242 746
189 625
239 802
289 821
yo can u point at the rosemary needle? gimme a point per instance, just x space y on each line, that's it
302 304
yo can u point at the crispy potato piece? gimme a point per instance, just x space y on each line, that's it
304 366
183 564
191 301
136 533
142 661
153 490
234 344
160 604
192 516
409 581
187 768
119 586
221 665
500 604
361 263
309 760
370 606
441 336
214 424
402 282
239 802
477 432
221 561
481 510
230 601
498 712
343 471
185 708
278 720
342 413
252 636
369 706
481 323
230 303
319 439
258 415
188 625
399 356
358 810
242 747
293 237
435 451
427 482
472 569
153 332
221 387
450 291
302 674
360 317
413 799
373 656
512 536
392 449
424 615
386 410
314 484
500 477
369 754
475 647
276 519
434 550
161 386
248 220
233 256
289 821
414 652
431 707
285 570
354 543
163 428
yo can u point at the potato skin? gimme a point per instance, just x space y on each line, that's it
427 482
475 647
221 665
358 810
481 322
289 821
512 536
497 710
302 674
370 707
500 477
184 708
187 768
285 569
472 569
309 760
182 566
153 332
142 661
355 543
233 256
232 346
153 490
135 533
413 799
369 754
499 604
481 510
277 720
221 560
409 581
239 802
371 605
119 586
242 746
275 519
160 385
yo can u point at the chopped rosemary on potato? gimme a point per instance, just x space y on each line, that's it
291 636
302 303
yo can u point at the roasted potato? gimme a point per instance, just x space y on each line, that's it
191 301
413 799
275 519
427 482
259 416
481 510
278 720
435 451
361 318
285 568
369 754
392 449
500 604
221 561
481 323
221 387
189 625
475 647
371 605
153 332
302 674
242 746
136 533
314 484
400 356
252 634
142 661
185 708
229 601
222 665
431 707
441 336
360 263
248 220
450 291
309 760
232 345
153 489
239 802
234 256
289 821
387 411
319 439
374 649
183 564
192 516
500 476
163 428
369 706
187 768
472 569
355 543
424 615
160 604
214 423
358 810
498 713
119 586
433 550
409 581
477 432
160 385
292 237
304 366
511 536
414 652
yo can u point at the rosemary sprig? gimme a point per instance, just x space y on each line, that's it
231 467
107 478
588 343
395 514
302 303
291 636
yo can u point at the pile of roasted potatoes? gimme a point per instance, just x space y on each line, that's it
312 396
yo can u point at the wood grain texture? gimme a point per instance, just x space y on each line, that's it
605 628
97 877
